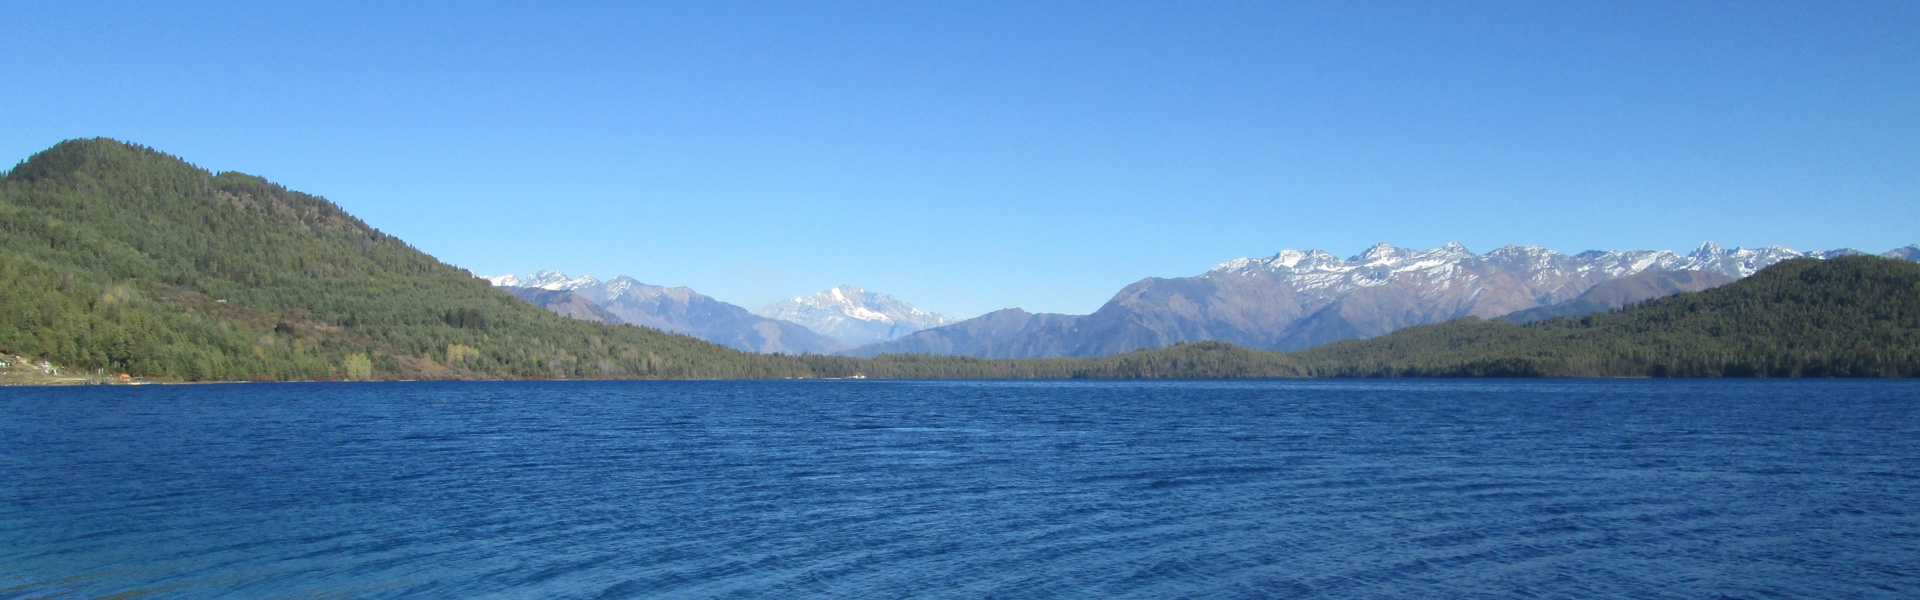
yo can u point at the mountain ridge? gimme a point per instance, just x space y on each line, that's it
1620 292
1298 299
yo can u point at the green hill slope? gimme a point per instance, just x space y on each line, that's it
1855 316
121 258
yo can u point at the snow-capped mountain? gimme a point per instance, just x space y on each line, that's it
675 310
546 280
1297 299
855 316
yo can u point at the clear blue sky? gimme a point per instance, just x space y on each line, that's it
971 156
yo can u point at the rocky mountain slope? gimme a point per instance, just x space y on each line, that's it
1616 293
855 316
565 303
1300 299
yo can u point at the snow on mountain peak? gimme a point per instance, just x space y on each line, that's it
1289 258
619 285
546 280
855 315
1381 253
1383 263
1707 249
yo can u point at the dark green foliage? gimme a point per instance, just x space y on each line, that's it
1855 316
467 318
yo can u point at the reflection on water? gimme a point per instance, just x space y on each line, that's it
1643 489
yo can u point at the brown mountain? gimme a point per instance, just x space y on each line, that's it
565 303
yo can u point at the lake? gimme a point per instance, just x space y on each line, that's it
1200 489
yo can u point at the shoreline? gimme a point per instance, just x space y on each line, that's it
77 381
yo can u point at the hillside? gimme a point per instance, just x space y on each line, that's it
1848 316
117 257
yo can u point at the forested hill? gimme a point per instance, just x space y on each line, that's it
120 258
1853 316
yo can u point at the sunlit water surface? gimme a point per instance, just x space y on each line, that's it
1641 489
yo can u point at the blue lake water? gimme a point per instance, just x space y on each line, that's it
1335 489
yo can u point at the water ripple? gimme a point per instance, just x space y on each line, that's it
1645 489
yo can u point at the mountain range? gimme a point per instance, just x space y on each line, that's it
1297 299
1849 316
824 323
672 309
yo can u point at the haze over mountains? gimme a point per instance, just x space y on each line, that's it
827 322
1300 299
676 310
1622 291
